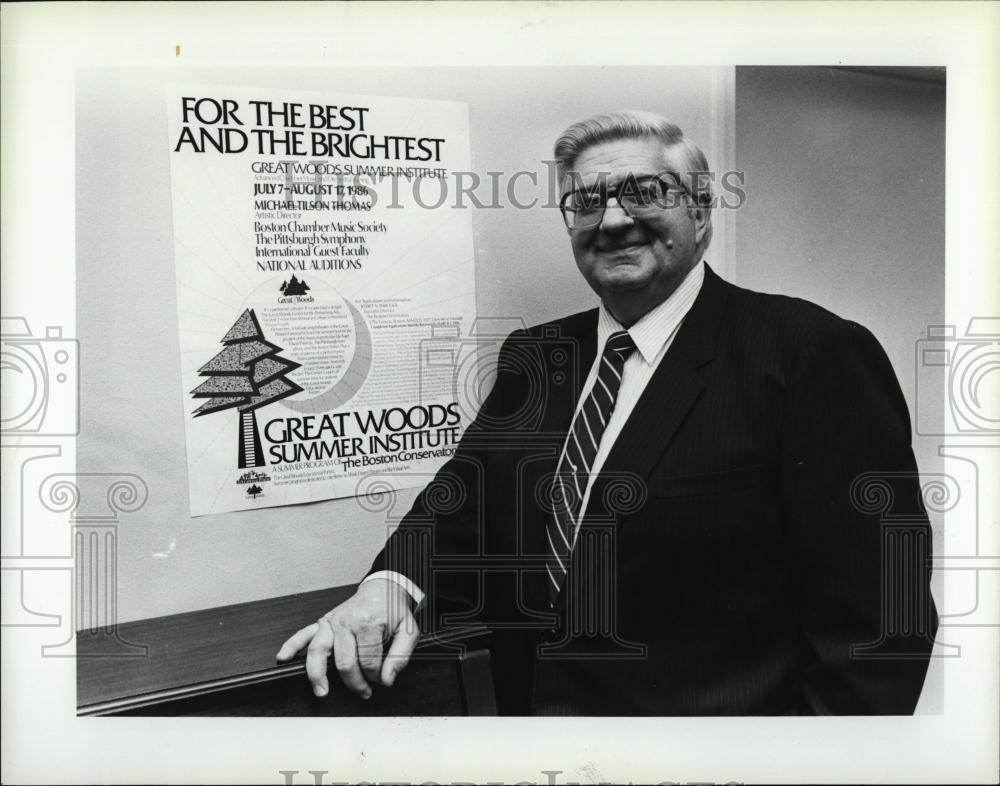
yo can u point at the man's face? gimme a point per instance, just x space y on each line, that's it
633 264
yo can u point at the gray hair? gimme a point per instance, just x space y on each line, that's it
638 124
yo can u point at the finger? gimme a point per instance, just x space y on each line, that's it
403 642
297 642
345 656
370 641
317 655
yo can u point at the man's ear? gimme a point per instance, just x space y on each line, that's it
700 216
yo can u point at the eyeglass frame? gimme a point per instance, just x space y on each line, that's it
607 193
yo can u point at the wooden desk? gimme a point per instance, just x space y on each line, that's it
221 662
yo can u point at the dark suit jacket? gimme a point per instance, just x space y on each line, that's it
755 544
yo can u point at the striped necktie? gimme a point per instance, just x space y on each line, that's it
573 470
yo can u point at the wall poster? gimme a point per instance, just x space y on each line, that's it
321 261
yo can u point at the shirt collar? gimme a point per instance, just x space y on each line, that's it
652 332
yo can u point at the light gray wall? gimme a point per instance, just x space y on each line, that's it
845 178
132 406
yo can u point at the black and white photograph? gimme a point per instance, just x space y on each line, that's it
606 394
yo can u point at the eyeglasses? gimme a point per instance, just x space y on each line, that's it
640 198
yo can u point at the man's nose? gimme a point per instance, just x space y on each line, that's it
615 218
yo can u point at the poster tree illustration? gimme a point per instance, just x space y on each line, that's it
247 374
294 286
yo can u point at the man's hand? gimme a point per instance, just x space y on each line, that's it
355 631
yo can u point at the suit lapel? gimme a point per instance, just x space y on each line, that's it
674 388
658 414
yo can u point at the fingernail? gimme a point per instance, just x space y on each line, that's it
390 678
366 695
320 691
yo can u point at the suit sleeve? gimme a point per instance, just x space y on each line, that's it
860 536
443 531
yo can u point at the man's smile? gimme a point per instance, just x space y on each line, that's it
620 246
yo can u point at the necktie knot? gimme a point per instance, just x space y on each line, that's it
620 343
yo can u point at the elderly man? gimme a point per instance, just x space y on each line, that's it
684 503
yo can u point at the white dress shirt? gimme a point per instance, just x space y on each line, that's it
653 335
